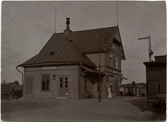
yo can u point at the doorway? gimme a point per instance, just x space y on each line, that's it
63 86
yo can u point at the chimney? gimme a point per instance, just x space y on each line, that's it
67 31
133 83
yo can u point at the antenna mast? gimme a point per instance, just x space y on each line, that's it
55 22
150 52
117 13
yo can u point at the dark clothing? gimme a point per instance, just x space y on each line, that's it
121 93
99 96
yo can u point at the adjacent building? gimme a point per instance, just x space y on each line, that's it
156 78
74 62
134 89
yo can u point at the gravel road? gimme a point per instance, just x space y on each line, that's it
120 108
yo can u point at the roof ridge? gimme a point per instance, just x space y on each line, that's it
89 29
58 48
96 29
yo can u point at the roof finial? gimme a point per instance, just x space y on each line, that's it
68 23
67 31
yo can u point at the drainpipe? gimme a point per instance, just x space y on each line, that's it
80 79
22 77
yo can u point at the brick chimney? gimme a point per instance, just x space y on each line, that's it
67 31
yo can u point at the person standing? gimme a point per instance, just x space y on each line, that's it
121 91
109 92
99 95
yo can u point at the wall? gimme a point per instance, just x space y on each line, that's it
95 59
116 81
106 68
36 74
155 73
81 89
156 79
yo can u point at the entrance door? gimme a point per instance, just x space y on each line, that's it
63 86
29 86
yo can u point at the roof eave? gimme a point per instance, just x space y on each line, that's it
54 63
122 46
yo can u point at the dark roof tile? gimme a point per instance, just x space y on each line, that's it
64 50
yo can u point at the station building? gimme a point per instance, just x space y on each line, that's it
74 62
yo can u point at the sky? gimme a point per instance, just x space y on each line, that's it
27 26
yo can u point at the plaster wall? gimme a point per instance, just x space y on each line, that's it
36 74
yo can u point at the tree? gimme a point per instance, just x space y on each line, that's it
4 81
16 82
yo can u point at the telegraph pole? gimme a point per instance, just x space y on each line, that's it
149 46
150 51
55 22
104 46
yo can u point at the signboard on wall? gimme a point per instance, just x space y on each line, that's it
49 68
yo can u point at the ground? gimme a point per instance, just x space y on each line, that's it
120 108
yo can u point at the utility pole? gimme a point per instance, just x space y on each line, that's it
55 22
103 45
149 46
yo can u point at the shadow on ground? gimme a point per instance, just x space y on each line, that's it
141 103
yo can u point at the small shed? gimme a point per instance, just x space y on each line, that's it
131 89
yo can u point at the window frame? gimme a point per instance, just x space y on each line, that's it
45 78
116 62
111 60
114 46
65 82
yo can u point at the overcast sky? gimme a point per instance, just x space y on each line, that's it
27 26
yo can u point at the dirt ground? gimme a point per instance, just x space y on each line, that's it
120 108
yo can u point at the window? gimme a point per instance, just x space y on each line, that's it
111 60
45 82
111 78
63 82
113 46
120 48
117 63
66 82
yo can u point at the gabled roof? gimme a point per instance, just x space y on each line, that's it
60 50
89 40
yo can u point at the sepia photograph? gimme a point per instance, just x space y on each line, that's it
83 61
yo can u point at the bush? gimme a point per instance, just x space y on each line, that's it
129 94
143 94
